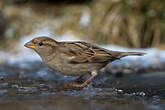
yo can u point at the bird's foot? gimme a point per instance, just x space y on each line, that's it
77 85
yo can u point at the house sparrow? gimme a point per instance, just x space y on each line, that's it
75 58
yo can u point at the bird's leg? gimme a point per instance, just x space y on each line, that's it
75 81
93 74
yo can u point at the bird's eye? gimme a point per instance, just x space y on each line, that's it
40 44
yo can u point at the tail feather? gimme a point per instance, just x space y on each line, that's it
123 54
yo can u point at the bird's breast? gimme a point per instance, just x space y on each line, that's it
62 65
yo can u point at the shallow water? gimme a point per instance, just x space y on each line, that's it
32 98
64 102
32 86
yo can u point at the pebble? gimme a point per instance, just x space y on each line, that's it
14 86
27 90
3 92
3 85
42 85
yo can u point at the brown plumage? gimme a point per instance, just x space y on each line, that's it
75 58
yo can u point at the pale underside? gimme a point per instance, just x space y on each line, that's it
62 66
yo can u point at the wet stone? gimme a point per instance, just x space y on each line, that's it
3 85
119 91
3 92
14 86
45 93
139 94
42 85
154 107
2 77
27 90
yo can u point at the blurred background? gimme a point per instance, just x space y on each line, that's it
121 25
128 23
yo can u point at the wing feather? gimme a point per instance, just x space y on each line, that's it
82 52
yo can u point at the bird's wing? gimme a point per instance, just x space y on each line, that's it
82 52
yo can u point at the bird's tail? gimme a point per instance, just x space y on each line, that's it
123 54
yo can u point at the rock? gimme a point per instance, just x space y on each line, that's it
3 85
3 92
140 84
14 86
27 90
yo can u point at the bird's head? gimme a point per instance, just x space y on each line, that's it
44 46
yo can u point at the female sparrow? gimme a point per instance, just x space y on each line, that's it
75 58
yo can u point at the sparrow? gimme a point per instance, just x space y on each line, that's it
75 58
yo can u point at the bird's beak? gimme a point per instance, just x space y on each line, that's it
30 45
